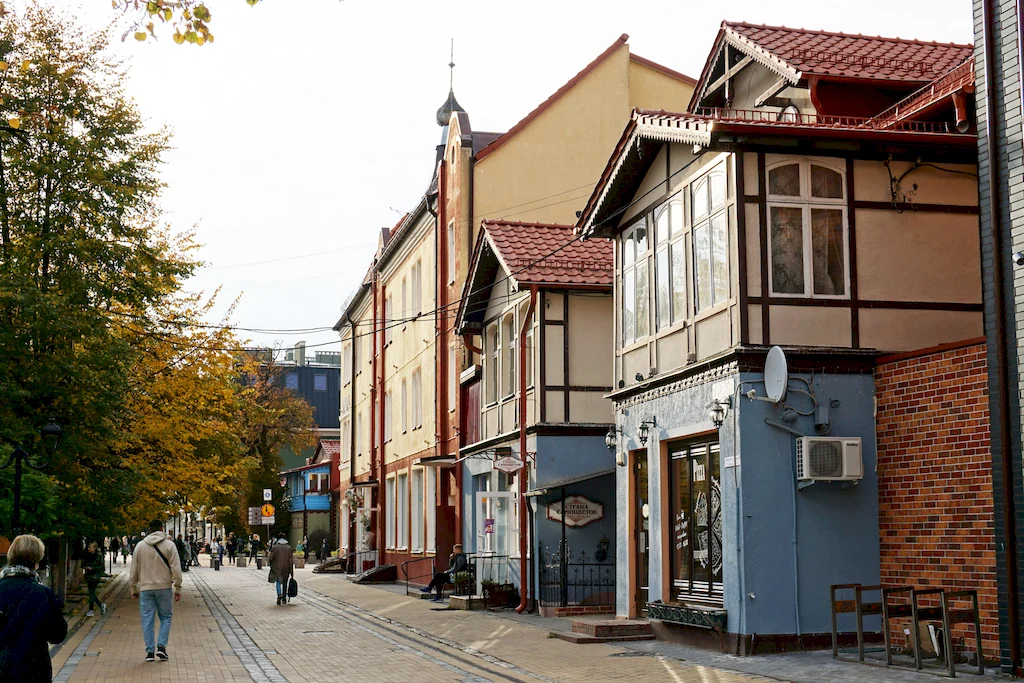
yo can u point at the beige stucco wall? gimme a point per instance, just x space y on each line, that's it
412 342
651 89
902 330
360 414
958 184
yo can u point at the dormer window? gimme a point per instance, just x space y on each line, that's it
808 232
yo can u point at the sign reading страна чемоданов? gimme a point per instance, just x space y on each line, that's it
579 511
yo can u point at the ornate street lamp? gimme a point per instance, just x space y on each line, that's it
718 409
51 439
645 430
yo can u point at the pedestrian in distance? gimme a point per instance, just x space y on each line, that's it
281 567
324 552
92 566
456 563
125 549
305 547
115 548
254 547
182 547
31 615
155 578
232 544
300 547
194 551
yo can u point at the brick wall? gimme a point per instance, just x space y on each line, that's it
935 476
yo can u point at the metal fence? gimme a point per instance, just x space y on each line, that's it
569 579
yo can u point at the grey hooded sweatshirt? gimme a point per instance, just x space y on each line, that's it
149 572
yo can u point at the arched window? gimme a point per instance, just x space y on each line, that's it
807 233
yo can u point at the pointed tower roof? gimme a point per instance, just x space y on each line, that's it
451 104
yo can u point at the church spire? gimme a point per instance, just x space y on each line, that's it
451 104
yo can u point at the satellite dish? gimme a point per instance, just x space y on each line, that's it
776 374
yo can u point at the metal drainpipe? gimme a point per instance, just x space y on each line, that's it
1002 355
525 472
352 426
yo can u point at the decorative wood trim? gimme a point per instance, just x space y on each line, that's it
565 360
542 359
851 224
741 246
558 323
762 212
911 206
870 303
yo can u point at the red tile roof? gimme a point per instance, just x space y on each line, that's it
841 55
330 446
550 254
960 79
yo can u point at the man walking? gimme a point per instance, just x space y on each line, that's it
114 547
281 567
155 577
182 547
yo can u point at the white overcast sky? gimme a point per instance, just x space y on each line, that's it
308 121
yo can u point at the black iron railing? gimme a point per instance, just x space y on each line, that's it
576 579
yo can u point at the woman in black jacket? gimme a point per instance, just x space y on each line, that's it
30 615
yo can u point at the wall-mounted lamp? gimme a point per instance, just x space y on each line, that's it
645 430
718 409
611 440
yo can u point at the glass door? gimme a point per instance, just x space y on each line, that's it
493 520
642 527
696 523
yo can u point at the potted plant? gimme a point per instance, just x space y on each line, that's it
463 582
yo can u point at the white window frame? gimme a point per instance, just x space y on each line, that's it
669 245
431 503
416 497
417 398
389 326
529 345
402 511
451 252
697 223
508 369
403 409
453 374
346 363
492 365
806 202
630 269
389 495
388 409
404 314
417 289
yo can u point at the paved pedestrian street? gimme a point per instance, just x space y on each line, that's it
227 627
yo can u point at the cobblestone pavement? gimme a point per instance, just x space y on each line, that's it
228 628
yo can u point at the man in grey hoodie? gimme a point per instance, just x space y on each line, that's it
155 577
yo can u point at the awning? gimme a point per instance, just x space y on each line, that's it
552 487
437 461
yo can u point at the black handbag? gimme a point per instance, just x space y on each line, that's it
293 587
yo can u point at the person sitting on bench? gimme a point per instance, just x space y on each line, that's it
456 563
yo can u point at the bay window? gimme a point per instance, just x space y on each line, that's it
670 274
509 370
710 239
807 233
635 294
493 344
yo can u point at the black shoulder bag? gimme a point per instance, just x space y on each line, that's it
163 558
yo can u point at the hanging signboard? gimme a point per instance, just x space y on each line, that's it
508 464
579 511
254 516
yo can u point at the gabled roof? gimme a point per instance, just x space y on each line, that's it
532 254
795 53
648 130
557 95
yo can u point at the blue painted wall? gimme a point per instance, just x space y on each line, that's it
311 501
562 457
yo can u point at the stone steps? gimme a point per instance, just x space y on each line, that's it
606 631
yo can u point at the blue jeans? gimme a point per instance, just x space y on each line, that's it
156 602
282 586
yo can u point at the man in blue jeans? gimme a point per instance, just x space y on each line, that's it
155 578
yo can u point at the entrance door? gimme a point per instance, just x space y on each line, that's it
493 534
642 527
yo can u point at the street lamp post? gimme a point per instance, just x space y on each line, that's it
51 438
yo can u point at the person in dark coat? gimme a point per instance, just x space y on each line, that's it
92 568
457 562
281 567
183 553
115 548
32 615
324 552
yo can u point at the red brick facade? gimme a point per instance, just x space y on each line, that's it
935 476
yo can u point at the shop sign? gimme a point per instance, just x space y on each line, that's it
579 511
508 464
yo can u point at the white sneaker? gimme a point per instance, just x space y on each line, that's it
90 613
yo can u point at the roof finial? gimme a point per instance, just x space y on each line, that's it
451 66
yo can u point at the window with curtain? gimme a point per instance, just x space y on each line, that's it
508 385
431 496
710 216
634 245
402 510
670 273
417 398
404 407
492 372
807 234
416 483
389 495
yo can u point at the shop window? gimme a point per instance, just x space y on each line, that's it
696 522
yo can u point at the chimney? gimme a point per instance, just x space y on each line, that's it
300 353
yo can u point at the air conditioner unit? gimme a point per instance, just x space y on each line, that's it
824 458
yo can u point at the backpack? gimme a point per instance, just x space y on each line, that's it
293 587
